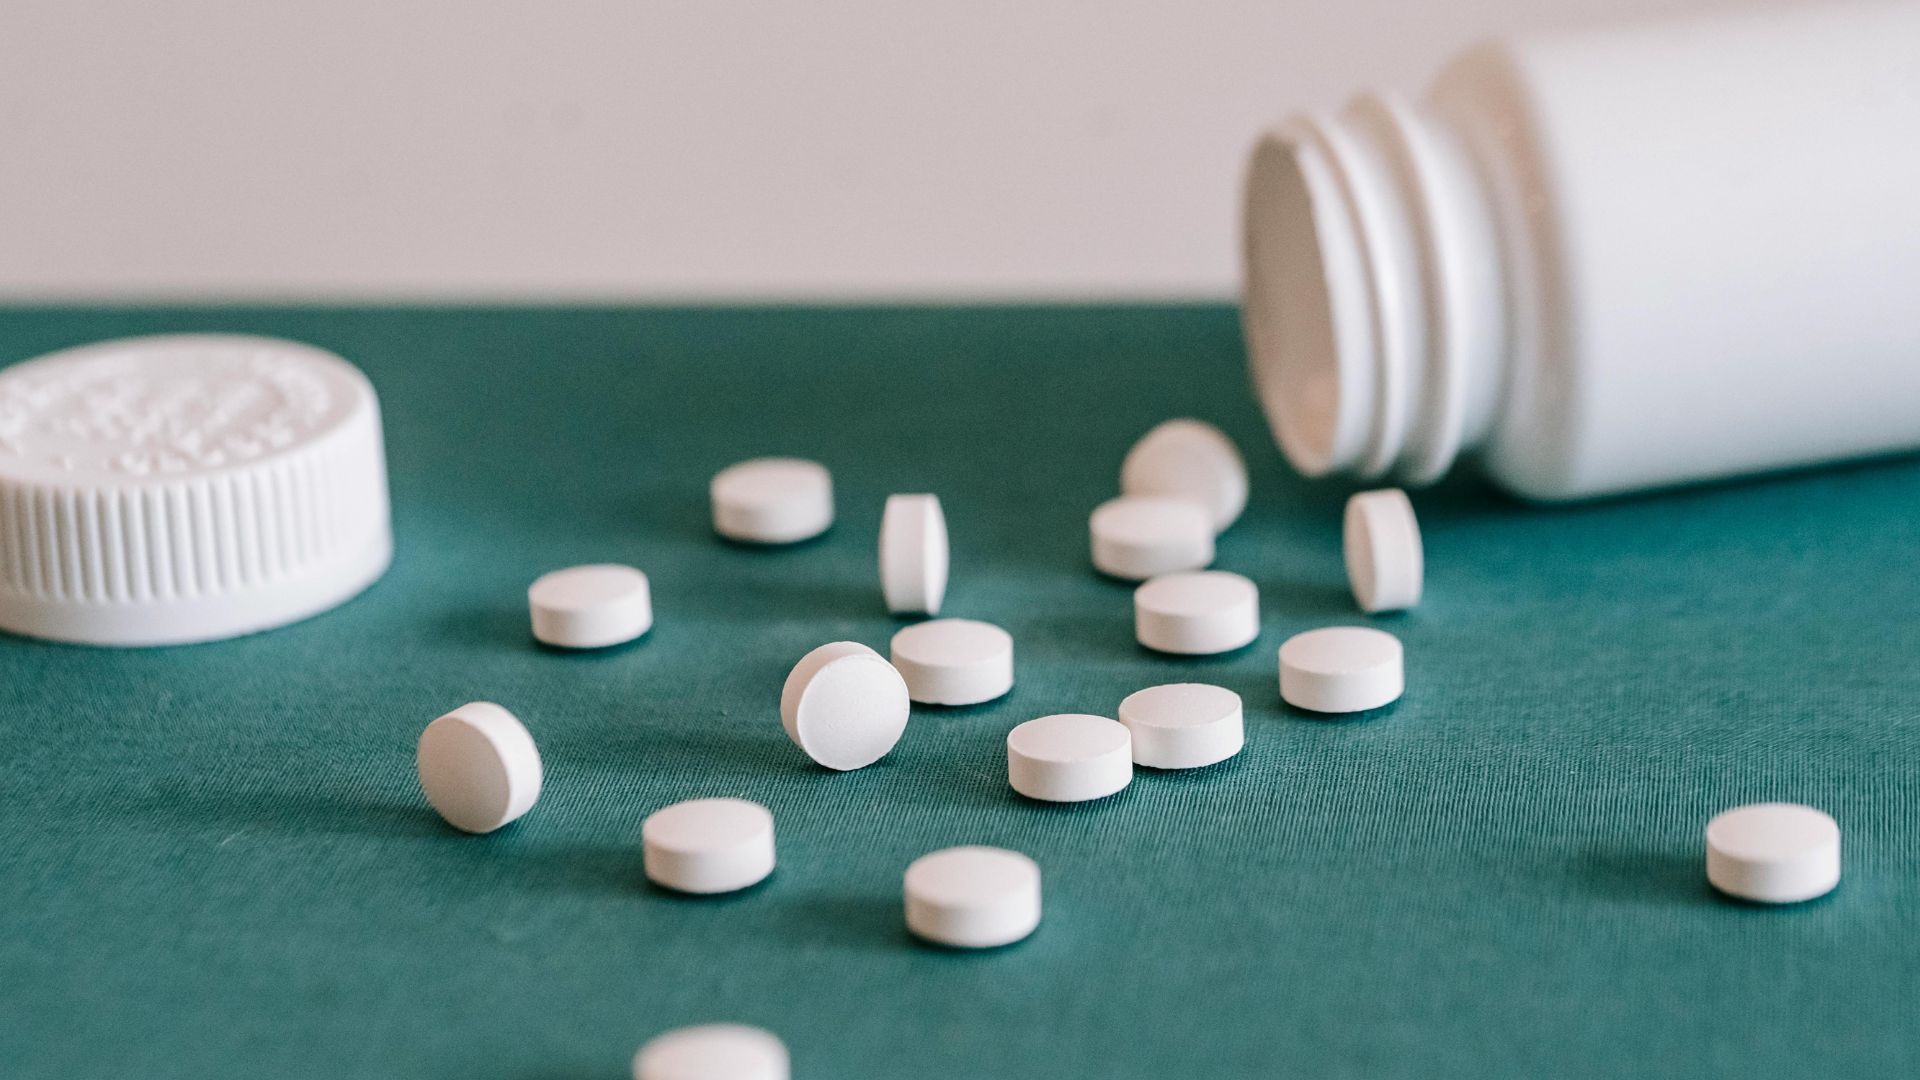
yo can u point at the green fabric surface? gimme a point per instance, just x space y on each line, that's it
215 860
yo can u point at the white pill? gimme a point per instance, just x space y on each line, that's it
913 554
1385 565
1069 757
479 767
1773 853
1183 725
1191 459
713 1052
589 607
772 500
1197 613
973 897
844 705
708 845
954 661
1136 537
1341 669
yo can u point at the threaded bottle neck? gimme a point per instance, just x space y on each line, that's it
1374 294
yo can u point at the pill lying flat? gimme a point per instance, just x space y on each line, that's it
713 1052
954 661
1385 564
772 500
1196 613
913 554
1136 537
1183 725
590 607
973 897
1190 459
1069 757
1341 669
478 767
708 845
1773 853
844 705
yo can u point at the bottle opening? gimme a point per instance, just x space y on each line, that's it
1293 329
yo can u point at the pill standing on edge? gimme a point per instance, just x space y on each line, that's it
1069 757
973 897
844 705
1183 725
590 607
1341 669
913 554
708 845
1196 613
1773 853
772 500
1381 537
478 767
954 661
713 1052
1192 459
1136 537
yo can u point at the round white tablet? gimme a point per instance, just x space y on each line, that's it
1069 757
913 554
1197 613
1385 565
973 897
844 705
1183 725
1773 853
479 767
954 661
708 845
1140 536
1191 459
589 607
713 1052
1341 669
772 500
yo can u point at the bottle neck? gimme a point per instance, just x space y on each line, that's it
1374 293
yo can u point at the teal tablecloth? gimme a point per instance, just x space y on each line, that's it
215 861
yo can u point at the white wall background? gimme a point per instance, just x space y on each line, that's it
592 149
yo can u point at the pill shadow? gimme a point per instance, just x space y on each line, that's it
1341 720
1646 876
853 921
240 811
1306 600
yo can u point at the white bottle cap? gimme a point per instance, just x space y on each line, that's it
162 490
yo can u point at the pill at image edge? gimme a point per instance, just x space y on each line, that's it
1381 542
708 846
1135 537
1196 613
953 661
479 767
1192 459
844 705
772 500
713 1052
913 554
1183 725
1773 853
1341 669
972 897
1069 757
590 607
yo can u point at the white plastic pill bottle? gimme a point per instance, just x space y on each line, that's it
1602 261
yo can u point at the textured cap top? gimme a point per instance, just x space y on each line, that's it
186 487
